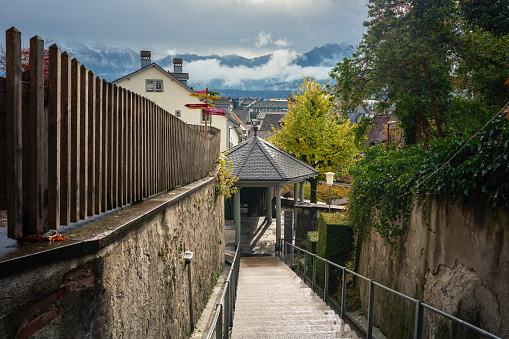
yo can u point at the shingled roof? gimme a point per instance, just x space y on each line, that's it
256 161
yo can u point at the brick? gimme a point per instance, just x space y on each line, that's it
83 283
42 304
38 323
77 272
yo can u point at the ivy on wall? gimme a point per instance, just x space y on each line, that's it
387 181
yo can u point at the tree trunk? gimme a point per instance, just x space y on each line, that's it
438 121
314 184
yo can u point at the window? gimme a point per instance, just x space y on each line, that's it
203 115
177 113
154 85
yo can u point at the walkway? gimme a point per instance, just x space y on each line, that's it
273 302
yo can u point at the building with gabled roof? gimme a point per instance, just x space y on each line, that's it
170 91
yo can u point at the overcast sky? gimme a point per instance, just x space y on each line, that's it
244 27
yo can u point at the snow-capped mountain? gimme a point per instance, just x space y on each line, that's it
107 61
280 70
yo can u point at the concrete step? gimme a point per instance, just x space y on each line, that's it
296 317
272 302
293 335
286 327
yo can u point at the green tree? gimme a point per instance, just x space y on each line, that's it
489 15
404 60
315 132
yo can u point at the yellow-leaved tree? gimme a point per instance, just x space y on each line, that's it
316 133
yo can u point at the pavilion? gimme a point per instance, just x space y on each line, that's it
258 163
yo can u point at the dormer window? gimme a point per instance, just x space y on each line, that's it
154 85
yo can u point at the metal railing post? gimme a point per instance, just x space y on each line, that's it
291 257
371 306
219 324
326 284
305 265
419 310
298 260
343 295
314 273
226 309
284 251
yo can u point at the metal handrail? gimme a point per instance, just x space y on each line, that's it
223 316
419 304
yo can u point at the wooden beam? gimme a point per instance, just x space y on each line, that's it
14 134
54 136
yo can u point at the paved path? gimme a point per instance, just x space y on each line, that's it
257 236
272 302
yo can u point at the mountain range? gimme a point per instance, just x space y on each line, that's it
111 62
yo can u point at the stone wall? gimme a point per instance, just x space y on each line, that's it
136 285
455 258
306 219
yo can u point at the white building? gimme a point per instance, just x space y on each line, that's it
170 91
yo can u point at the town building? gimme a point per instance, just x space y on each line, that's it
170 91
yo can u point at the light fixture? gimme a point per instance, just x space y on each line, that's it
330 180
188 255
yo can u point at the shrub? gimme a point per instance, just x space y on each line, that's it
335 243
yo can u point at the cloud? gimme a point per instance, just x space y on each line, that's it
280 68
263 39
282 43
171 51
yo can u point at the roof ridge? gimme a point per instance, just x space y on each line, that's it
246 157
288 155
273 163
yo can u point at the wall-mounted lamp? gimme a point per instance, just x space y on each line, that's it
188 255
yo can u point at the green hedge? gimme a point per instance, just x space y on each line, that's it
311 243
335 243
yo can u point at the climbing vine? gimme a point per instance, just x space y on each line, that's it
225 180
388 180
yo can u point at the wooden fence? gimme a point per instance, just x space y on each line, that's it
73 145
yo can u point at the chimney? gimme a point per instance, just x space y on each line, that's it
177 65
145 58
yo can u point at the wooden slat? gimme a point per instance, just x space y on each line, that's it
140 148
123 149
54 136
106 160
91 143
145 153
37 147
75 139
109 149
157 135
135 147
149 149
65 143
121 144
84 142
167 150
98 145
129 143
14 134
114 159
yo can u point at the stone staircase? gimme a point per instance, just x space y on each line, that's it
273 302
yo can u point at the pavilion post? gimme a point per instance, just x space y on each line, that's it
236 208
278 217
269 204
301 192
295 193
